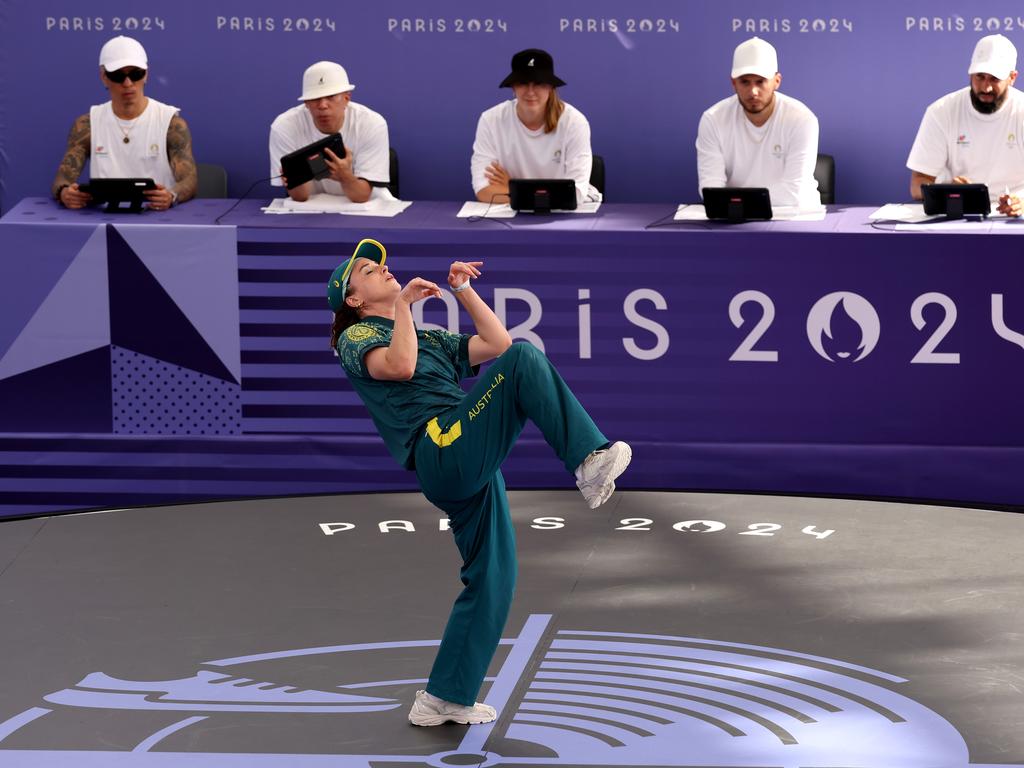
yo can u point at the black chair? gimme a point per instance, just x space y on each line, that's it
825 175
597 173
393 172
213 180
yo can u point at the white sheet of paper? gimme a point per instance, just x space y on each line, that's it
385 206
473 208
695 212
908 212
687 212
910 217
590 207
792 213
503 211
944 225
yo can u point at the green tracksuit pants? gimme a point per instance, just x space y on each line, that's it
458 464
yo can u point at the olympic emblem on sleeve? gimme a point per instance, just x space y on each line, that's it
360 332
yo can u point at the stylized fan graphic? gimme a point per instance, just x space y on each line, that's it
596 694
586 698
211 692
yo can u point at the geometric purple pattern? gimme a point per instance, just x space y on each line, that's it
167 333
153 397
32 334
198 267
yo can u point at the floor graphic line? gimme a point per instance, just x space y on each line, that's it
156 738
508 678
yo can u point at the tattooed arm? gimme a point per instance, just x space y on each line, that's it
65 186
183 166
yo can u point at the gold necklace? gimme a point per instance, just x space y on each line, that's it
131 124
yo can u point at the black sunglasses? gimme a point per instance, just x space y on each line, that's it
119 75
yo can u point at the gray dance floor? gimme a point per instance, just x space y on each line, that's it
664 629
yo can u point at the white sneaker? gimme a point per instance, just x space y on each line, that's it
427 709
595 477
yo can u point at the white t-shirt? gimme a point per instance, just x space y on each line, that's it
779 155
364 133
562 154
144 156
955 139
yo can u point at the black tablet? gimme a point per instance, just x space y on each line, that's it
541 195
956 200
308 163
115 192
737 203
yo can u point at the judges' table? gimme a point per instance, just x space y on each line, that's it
826 357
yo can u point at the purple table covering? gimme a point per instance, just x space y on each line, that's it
43 210
430 220
434 220
793 357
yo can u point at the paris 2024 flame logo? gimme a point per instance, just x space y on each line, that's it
843 327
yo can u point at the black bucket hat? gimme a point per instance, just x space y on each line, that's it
532 66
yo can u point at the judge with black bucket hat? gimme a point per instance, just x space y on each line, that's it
535 135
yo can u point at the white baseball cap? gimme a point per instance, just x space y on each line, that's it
755 57
325 78
994 55
121 52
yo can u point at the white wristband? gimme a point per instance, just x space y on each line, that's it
460 289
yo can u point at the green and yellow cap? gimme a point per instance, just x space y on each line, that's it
338 284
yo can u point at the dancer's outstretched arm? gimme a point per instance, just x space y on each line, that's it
491 337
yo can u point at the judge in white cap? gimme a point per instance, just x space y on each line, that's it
327 108
760 137
130 136
976 134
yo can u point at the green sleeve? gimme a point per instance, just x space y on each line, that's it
353 344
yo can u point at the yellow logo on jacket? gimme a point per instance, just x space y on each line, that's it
360 332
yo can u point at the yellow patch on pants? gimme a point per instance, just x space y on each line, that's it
444 439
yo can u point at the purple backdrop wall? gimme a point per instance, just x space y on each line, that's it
642 72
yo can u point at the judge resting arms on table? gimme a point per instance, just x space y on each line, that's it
761 137
327 108
456 442
534 136
976 134
130 136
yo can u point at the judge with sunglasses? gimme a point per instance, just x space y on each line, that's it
130 136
